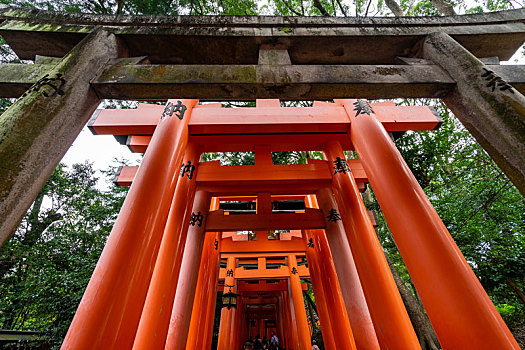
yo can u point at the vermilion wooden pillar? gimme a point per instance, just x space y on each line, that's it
203 312
154 322
296 292
109 313
227 316
320 301
340 324
355 302
293 340
393 327
184 297
460 311
212 297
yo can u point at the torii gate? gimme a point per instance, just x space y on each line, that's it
91 57
141 277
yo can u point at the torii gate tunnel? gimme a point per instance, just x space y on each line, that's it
189 229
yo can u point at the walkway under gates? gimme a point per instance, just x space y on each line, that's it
259 232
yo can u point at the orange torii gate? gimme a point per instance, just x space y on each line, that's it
157 290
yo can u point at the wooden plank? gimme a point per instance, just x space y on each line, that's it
218 222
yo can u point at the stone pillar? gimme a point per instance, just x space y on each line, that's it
491 109
37 130
110 310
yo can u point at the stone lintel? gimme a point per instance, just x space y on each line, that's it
124 79
236 39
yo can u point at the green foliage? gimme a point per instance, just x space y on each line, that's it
47 264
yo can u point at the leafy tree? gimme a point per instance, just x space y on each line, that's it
47 264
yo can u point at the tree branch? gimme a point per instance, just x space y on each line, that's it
320 7
444 7
341 8
291 9
394 7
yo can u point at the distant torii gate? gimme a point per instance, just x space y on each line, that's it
141 293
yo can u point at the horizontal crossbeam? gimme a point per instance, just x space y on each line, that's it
311 219
248 179
303 82
236 39
328 118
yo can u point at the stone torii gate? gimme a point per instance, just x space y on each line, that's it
87 58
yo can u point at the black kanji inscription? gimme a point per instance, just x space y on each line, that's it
362 107
340 166
55 83
496 81
294 271
229 273
187 169
178 109
196 219
310 243
333 215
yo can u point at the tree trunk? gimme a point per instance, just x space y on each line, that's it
516 289
424 331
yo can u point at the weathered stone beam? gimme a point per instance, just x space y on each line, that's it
485 103
231 39
37 130
282 81
132 81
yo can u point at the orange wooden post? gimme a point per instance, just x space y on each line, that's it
293 339
298 304
233 330
184 297
317 285
109 313
225 328
212 296
287 335
342 331
393 327
198 314
223 343
460 311
154 322
355 302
